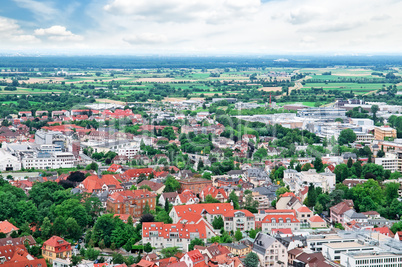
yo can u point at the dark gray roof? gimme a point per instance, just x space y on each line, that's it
262 242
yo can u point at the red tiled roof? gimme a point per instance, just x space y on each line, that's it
213 191
211 208
384 230
303 209
7 227
195 256
231 213
93 182
186 195
154 186
284 217
183 230
316 218
114 168
57 242
286 231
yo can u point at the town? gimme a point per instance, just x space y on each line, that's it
91 178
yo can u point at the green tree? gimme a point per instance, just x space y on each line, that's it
195 242
167 206
46 228
350 163
311 196
253 232
238 235
93 166
148 247
318 208
163 216
118 258
251 260
170 252
318 164
171 184
357 168
210 199
380 153
218 223
146 210
306 167
59 226
371 170
234 199
346 136
92 254
374 109
73 229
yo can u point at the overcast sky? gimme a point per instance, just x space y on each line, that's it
201 26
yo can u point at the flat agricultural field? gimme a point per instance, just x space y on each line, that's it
270 89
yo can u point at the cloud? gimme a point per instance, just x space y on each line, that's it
162 11
57 33
304 15
11 32
44 10
146 39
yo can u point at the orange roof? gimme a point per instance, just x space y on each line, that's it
211 208
213 191
384 230
123 217
7 227
186 195
57 242
316 218
114 168
285 217
231 213
288 194
182 230
195 256
93 182
132 173
286 231
303 209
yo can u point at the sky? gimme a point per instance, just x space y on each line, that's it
201 27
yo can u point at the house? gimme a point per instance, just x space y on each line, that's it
194 258
145 263
18 256
123 217
214 192
120 159
155 187
303 214
311 260
187 197
317 222
398 235
288 200
278 219
170 196
242 220
207 210
18 241
337 211
161 235
238 248
114 168
7 228
131 202
56 247
96 184
351 215
270 251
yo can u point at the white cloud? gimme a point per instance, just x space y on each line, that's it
162 11
58 33
43 10
146 39
12 34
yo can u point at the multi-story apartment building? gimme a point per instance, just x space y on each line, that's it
242 220
161 235
332 251
322 113
207 210
270 251
54 161
280 219
390 162
385 132
298 180
371 259
131 202
56 247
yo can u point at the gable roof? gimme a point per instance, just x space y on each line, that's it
93 182
316 218
211 208
153 185
182 230
342 207
7 227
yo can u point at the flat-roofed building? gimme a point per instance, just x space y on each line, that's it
371 259
332 251
382 133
